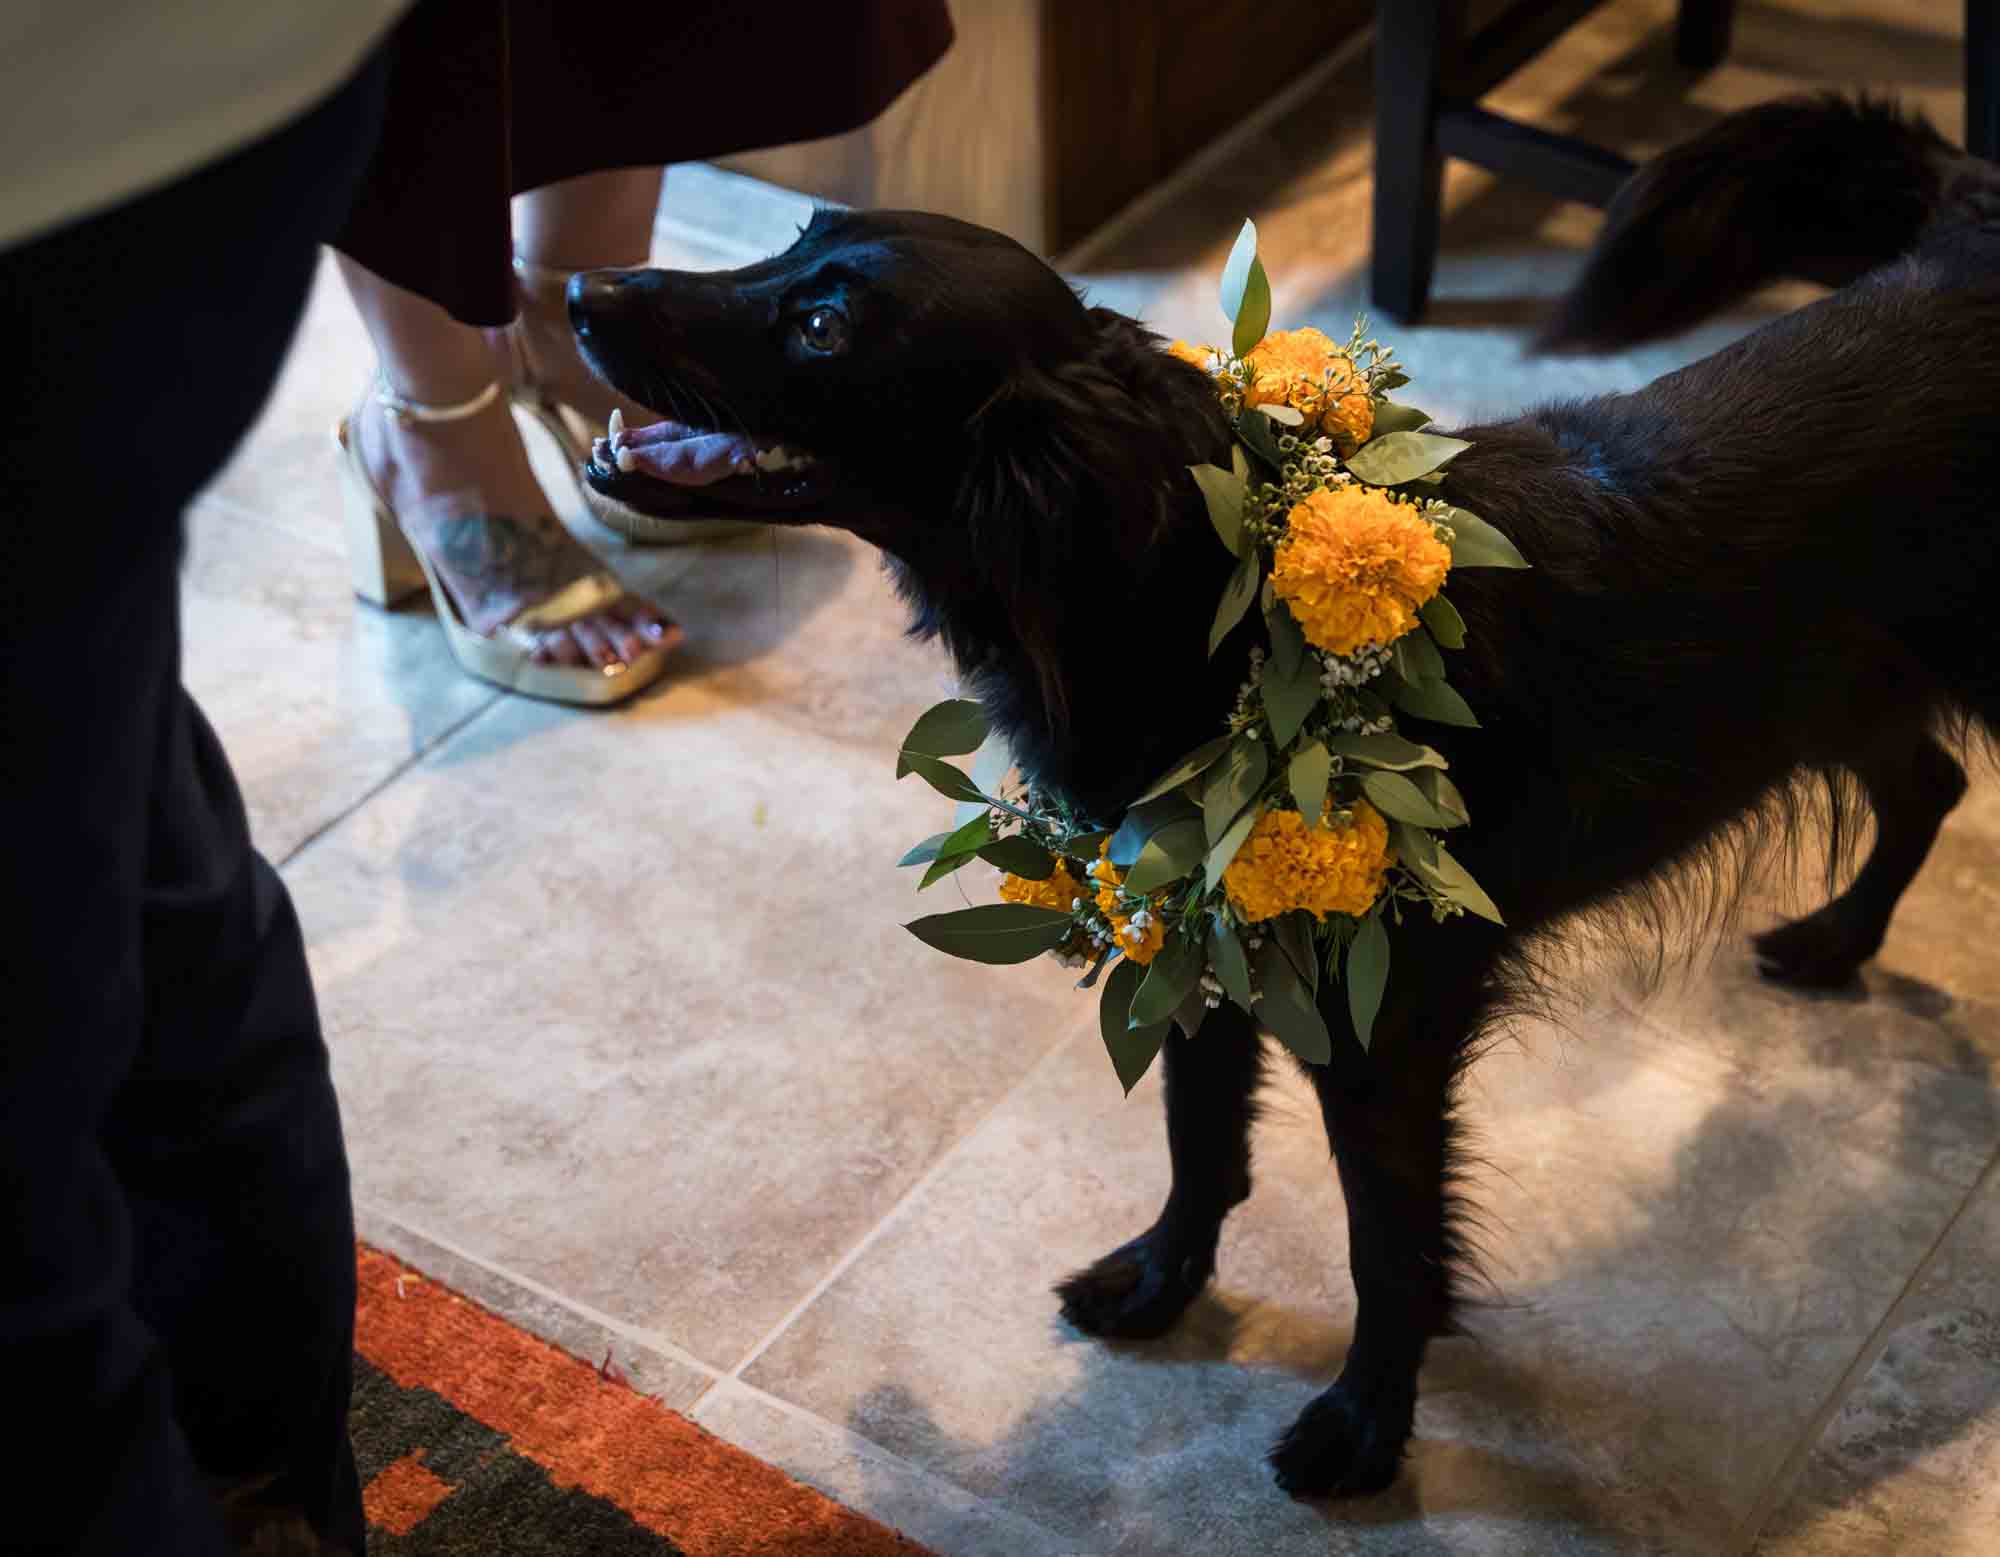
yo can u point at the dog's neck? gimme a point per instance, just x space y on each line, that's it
1084 634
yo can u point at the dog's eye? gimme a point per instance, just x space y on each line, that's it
824 329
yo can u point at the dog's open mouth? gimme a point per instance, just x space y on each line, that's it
672 470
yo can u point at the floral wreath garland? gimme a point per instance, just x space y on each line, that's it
1270 857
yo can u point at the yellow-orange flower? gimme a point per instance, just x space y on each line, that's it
1328 869
1202 357
1152 934
1306 371
1059 891
1355 566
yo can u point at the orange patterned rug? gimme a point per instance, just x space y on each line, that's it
475 1437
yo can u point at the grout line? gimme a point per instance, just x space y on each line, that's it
394 773
1783 1479
889 1218
652 1340
1196 171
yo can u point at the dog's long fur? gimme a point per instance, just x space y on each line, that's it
1766 572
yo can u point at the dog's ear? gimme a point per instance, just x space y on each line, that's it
1072 472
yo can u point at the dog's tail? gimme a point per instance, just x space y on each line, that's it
1816 187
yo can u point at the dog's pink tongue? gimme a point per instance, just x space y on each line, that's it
671 452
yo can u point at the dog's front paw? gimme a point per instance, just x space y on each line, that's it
1821 951
1344 1444
1137 1291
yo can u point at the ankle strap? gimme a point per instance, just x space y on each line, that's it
404 409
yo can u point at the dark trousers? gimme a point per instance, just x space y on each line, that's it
177 1257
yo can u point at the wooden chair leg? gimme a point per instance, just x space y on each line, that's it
1982 80
1701 36
1410 40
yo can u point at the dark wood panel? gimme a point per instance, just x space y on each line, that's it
1133 88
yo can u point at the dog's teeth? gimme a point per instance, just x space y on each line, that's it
616 429
627 461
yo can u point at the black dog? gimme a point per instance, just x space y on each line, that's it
1761 579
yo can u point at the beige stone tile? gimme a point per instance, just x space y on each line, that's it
642 1360
1684 1274
622 1003
318 698
1911 1461
861 1475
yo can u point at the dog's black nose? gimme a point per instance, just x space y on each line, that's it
596 296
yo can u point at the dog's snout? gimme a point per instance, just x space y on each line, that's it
595 296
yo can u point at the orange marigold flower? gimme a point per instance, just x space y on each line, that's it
1355 566
1328 869
1202 357
1059 891
1305 370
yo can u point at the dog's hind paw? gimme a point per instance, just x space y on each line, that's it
1342 1445
1137 1291
1824 950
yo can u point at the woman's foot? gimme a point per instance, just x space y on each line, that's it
466 497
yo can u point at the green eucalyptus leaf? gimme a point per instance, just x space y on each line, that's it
1236 270
1367 976
1131 1050
1311 768
1397 457
1442 793
1295 936
1086 846
1225 955
1395 378
1020 856
945 865
1288 639
1173 852
1283 415
1289 699
1236 598
1223 491
1435 701
1394 795
1192 1012
1415 848
1384 751
1224 852
951 729
1231 785
1421 656
1456 882
924 852
1476 544
989 771
994 932
1145 819
1286 1007
1442 618
1254 428
947 780
1239 463
1254 317
960 849
1193 764
1390 417
1172 974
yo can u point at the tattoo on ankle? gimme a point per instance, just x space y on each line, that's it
525 557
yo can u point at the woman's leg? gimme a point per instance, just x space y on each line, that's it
463 489
593 222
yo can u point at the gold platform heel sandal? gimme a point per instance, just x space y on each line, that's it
387 569
574 433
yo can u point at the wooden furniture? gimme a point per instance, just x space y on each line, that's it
1432 65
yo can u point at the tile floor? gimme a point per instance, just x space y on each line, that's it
633 1048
